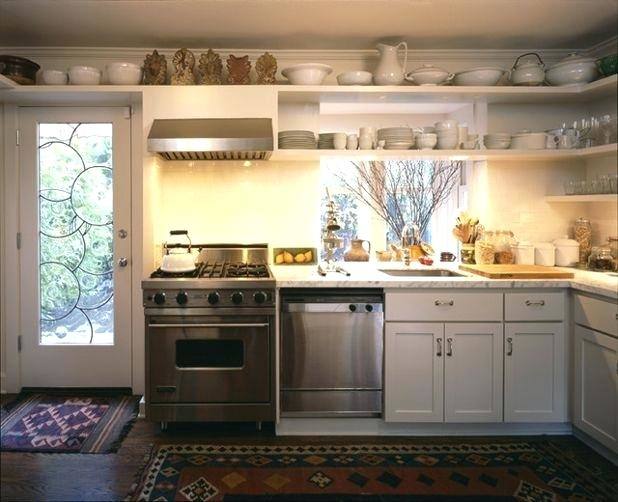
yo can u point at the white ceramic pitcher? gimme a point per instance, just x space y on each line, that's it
389 71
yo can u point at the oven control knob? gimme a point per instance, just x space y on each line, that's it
213 298
352 307
237 297
159 298
369 308
260 297
182 298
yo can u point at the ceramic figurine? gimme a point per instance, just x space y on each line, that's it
155 69
266 68
211 68
238 69
184 61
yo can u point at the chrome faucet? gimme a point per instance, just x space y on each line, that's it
409 237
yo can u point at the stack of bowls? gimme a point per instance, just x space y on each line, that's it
396 138
326 141
497 141
296 139
448 135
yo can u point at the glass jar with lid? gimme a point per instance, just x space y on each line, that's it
601 259
484 249
582 231
612 243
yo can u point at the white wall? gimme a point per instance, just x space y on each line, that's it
510 196
270 202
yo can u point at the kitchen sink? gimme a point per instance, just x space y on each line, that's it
422 273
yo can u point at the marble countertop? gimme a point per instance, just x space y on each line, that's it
363 275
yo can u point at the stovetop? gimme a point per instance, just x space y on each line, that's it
218 270
225 276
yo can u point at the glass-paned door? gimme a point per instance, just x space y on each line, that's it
75 219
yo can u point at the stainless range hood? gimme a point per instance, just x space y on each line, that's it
212 139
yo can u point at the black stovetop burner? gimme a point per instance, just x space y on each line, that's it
218 270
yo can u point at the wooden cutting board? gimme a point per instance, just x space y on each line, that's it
518 271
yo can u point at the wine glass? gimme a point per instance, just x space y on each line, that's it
606 127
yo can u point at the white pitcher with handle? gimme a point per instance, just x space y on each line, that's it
389 71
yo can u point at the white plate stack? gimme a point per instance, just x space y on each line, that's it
448 135
297 139
326 141
396 138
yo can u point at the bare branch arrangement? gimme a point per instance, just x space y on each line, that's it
404 191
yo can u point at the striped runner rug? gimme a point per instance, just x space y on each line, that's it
460 470
67 423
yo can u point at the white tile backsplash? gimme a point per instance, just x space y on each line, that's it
279 203
508 195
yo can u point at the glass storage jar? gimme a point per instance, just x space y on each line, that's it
601 259
582 231
484 249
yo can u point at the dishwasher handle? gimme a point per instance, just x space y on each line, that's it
337 308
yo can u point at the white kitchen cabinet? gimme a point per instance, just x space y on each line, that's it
443 306
596 386
534 372
473 372
414 372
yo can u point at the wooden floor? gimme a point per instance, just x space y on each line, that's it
68 477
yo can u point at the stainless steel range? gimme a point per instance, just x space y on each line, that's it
210 345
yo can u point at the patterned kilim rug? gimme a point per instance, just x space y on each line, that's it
475 471
67 424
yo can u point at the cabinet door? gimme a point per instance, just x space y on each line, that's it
473 372
414 372
596 385
534 372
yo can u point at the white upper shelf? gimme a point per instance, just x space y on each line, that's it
447 94
496 155
40 94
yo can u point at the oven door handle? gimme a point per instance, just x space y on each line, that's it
216 325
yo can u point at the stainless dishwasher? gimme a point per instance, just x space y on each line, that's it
332 346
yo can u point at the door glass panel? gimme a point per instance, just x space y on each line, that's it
76 234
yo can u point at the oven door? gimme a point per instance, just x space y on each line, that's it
209 359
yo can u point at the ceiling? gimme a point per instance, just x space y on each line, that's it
308 24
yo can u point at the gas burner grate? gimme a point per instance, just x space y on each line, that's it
246 270
161 274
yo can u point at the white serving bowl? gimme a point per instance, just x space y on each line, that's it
124 74
84 75
427 141
447 125
488 75
497 141
357 77
307 73
448 142
54 77
529 141
428 75
573 69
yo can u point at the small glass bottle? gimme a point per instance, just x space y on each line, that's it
582 231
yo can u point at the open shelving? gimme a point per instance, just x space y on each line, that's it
604 197
605 87
505 155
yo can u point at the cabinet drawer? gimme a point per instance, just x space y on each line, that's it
596 314
534 306
443 305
